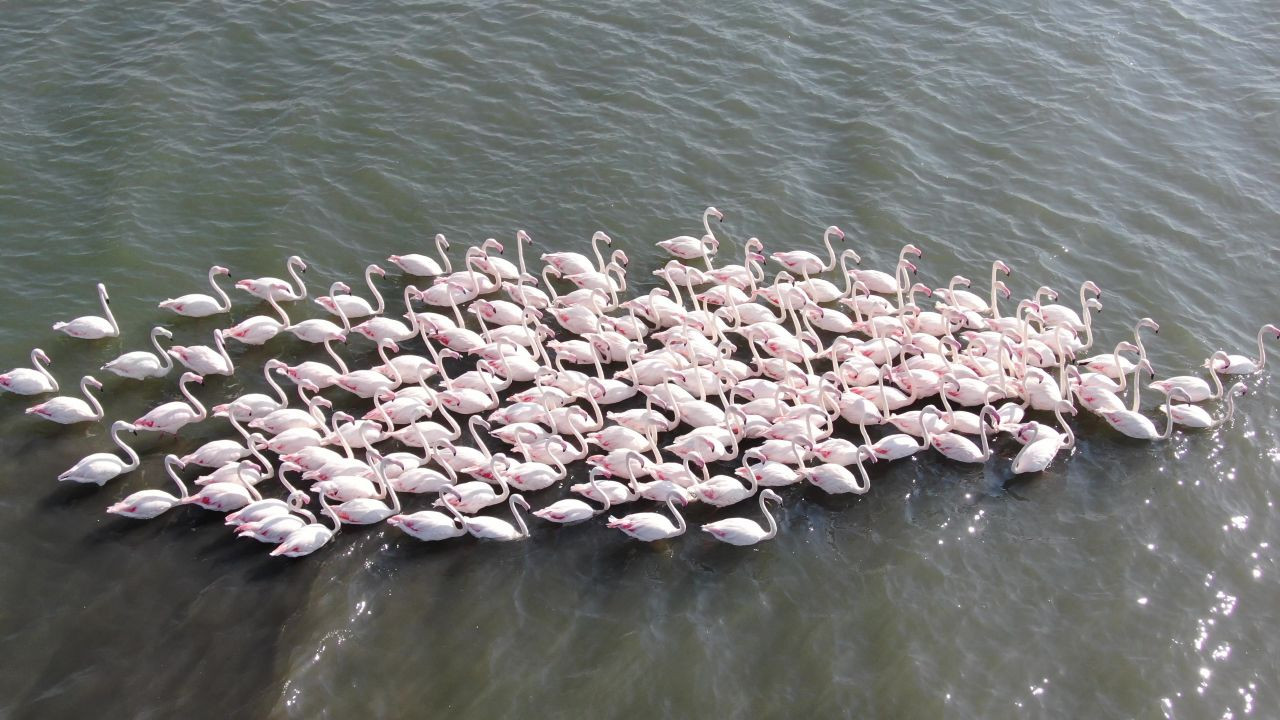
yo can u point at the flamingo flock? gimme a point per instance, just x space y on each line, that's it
775 376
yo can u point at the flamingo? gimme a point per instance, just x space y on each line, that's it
317 330
1043 447
1189 415
367 511
1196 389
310 538
650 526
143 364
98 468
571 510
259 329
689 247
741 531
271 287
198 305
173 416
805 262
571 262
148 504
488 528
259 510
25 381
430 525
1241 365
422 265
92 327
276 528
203 359
225 496
252 406
351 306
68 410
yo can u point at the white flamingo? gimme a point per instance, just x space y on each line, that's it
26 381
92 327
148 504
198 305
68 410
143 364
98 468
741 531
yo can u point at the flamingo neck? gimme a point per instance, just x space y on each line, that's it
773 524
671 505
134 460
377 295
169 463
166 361
302 288
35 360
106 311
224 300
524 529
98 414
284 317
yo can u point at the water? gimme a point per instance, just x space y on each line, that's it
1132 144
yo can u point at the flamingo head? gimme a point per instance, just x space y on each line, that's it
715 213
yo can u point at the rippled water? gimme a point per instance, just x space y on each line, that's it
1134 144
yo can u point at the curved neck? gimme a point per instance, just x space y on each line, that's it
381 472
342 313
106 310
396 377
326 509
1231 410
368 280
444 257
98 414
831 251
524 529
862 470
346 446
1070 440
280 395
671 505
256 442
219 343
284 317
302 288
408 306
595 248
134 461
166 361
342 365
293 491
1088 329
222 294
773 524
35 360
982 430
1262 350
169 463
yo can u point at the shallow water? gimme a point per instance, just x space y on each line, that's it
1136 145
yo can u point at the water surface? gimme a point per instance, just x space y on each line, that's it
1136 145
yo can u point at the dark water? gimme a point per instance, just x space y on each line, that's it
1134 144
